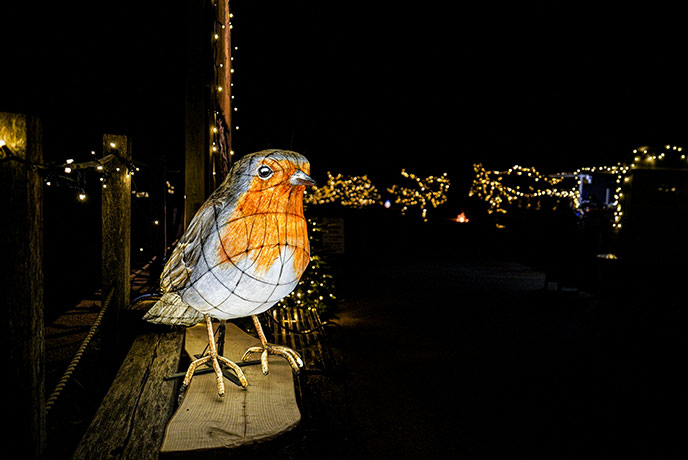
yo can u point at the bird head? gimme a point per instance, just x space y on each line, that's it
274 169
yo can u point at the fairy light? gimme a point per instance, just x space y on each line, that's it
221 123
492 188
350 191
430 191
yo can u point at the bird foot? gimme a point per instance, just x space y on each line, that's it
216 360
292 357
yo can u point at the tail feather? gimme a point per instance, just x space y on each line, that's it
171 309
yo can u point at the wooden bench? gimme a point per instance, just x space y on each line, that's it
130 422
139 418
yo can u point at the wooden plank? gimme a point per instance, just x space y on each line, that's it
262 412
21 246
131 421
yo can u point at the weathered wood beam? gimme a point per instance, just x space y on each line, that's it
196 108
21 249
130 422
116 231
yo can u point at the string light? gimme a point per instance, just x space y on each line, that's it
70 174
220 142
351 191
490 186
429 191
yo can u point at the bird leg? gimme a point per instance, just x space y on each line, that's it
266 349
215 360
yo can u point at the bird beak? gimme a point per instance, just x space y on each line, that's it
301 178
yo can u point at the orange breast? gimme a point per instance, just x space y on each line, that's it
267 220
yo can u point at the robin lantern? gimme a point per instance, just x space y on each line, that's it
245 249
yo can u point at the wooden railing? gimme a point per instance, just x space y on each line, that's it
21 185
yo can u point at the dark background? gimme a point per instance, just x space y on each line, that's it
369 87
358 87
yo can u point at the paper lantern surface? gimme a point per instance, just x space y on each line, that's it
245 249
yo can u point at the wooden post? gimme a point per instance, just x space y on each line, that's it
196 109
221 123
21 250
208 130
116 214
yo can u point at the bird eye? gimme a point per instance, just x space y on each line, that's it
264 172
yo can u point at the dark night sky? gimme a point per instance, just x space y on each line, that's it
551 84
373 87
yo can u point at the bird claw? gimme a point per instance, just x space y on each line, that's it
291 356
215 360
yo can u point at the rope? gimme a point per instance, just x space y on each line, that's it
77 357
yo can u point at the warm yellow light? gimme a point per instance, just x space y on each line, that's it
219 89
2 143
113 145
82 197
155 222
70 161
68 170
99 168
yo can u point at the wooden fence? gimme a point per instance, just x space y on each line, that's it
21 184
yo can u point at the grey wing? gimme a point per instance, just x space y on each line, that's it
186 256
178 270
